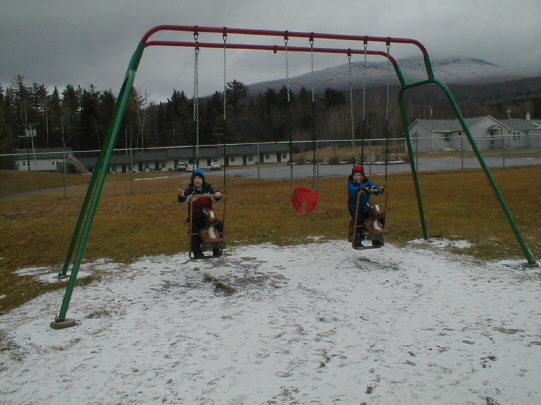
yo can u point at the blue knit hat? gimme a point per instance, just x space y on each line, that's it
198 172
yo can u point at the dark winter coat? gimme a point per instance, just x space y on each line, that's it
201 202
353 188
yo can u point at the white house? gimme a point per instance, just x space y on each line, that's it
41 159
488 133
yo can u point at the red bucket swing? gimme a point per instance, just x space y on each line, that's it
304 200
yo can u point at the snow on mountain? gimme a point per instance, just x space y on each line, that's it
450 71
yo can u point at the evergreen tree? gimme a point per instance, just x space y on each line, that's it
70 109
333 98
88 133
54 111
235 92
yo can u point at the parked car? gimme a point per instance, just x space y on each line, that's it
181 167
214 167
190 168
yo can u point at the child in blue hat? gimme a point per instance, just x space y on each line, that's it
199 186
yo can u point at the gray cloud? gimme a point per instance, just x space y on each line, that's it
60 42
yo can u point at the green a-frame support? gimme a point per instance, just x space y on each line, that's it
86 216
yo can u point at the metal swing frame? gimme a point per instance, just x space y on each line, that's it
84 223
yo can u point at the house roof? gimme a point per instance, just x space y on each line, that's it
47 153
520 125
448 125
188 153
454 125
230 150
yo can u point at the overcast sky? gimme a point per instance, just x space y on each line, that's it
83 42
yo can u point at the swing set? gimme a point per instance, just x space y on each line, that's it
303 199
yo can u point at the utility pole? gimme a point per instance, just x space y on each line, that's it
31 133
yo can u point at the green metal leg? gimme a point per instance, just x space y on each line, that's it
88 210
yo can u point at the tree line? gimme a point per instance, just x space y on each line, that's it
79 117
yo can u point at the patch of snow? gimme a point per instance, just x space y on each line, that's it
442 243
307 324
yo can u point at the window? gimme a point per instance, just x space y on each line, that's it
284 155
54 162
267 155
25 163
250 158
232 158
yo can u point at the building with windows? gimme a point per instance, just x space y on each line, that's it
41 159
172 158
488 133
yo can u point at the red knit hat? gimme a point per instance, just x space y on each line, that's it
357 169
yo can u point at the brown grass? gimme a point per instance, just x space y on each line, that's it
36 229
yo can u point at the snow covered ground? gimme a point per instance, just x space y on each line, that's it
312 324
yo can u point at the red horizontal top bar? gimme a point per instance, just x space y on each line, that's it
274 48
285 34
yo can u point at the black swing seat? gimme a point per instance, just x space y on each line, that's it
373 229
375 223
304 200
211 243
211 238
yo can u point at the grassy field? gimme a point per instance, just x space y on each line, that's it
142 217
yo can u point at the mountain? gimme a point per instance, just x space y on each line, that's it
451 71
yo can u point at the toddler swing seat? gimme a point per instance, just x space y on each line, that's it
304 200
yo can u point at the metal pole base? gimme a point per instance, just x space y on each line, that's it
534 264
67 323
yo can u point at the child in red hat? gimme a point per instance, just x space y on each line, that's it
357 181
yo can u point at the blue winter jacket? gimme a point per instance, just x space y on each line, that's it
353 188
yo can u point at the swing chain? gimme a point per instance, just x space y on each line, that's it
196 98
314 144
312 67
286 39
351 107
364 104
225 79
388 82
387 114
224 36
